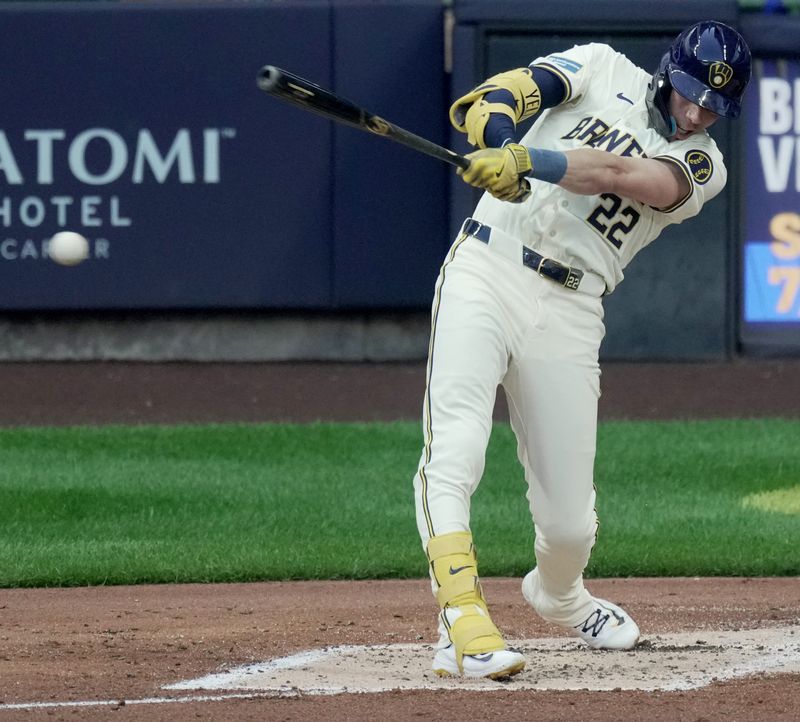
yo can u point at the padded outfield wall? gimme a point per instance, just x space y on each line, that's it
224 224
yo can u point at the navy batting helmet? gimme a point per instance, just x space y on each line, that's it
709 64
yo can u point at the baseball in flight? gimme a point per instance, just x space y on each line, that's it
68 248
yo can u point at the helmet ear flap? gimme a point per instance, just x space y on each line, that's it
657 100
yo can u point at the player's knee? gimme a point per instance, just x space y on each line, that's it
569 538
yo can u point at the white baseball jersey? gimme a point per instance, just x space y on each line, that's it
604 108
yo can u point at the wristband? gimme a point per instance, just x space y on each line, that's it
548 165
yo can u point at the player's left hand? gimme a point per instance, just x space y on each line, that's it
515 194
500 171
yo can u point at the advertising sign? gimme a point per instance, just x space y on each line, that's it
142 128
770 309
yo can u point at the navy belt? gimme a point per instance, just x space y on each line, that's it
563 275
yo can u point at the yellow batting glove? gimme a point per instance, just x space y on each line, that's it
500 171
517 194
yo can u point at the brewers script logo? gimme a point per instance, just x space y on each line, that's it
719 74
700 166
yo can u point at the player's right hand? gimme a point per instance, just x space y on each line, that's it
501 171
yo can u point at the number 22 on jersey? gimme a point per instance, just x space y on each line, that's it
612 221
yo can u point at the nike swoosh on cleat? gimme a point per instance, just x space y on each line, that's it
485 657
622 97
460 569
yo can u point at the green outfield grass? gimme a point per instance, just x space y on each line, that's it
119 505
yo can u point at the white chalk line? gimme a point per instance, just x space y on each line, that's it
669 662
141 700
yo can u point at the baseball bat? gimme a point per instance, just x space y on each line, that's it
309 96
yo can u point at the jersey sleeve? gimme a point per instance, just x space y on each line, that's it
701 163
576 67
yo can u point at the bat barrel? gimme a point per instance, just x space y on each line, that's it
293 89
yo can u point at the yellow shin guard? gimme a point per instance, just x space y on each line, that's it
454 567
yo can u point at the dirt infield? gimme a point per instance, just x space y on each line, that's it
109 652
101 393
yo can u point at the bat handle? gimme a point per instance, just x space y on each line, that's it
459 161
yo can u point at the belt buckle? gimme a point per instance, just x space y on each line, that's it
571 281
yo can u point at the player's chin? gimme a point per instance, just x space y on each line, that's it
682 134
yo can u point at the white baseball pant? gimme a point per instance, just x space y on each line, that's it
497 322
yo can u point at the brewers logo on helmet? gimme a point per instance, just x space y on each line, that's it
720 74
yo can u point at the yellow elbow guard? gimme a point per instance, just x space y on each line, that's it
477 119
470 113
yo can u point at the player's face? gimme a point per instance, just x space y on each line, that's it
689 117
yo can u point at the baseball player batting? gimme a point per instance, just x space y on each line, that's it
615 155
